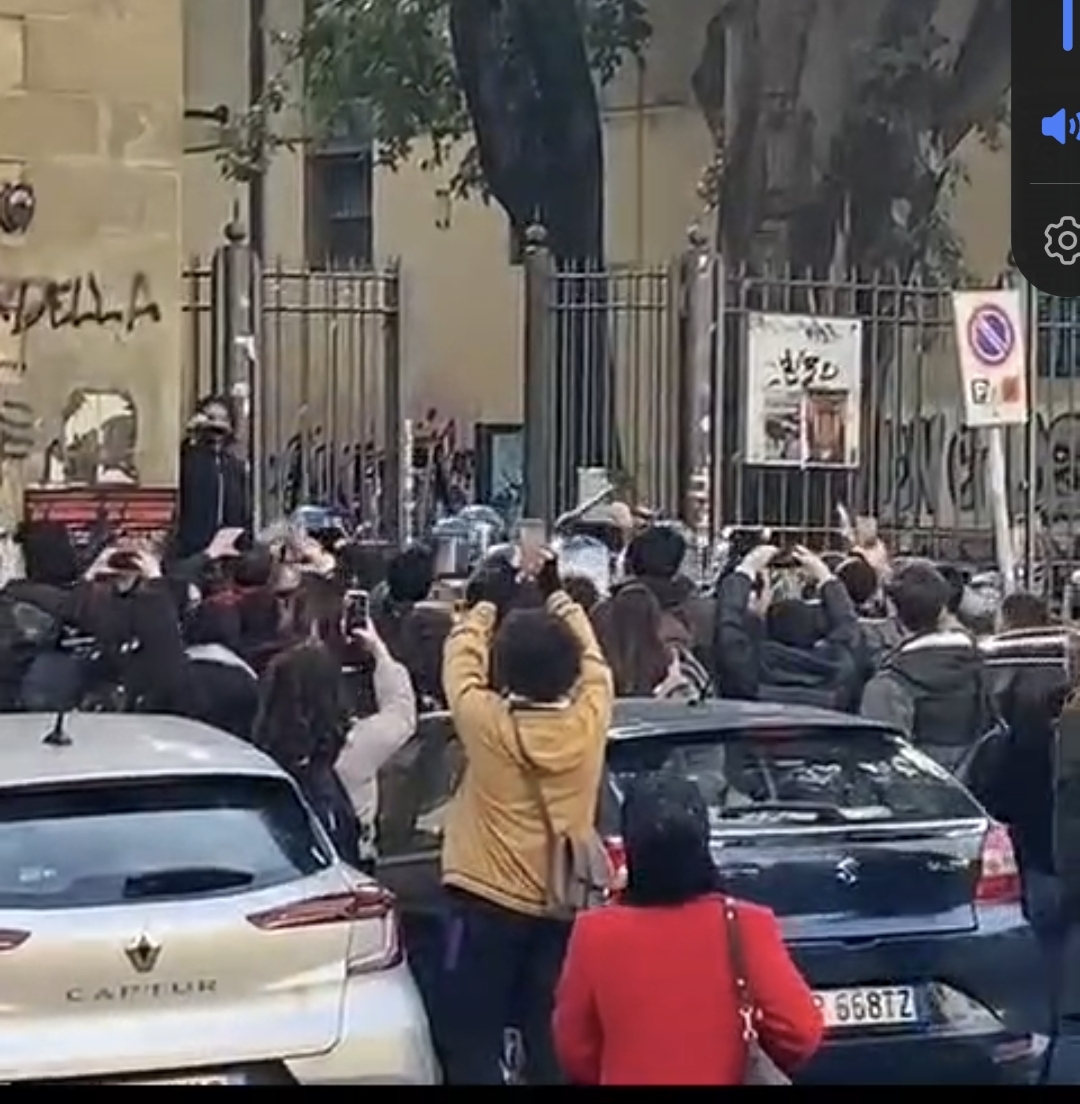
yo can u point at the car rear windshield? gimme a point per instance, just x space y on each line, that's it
135 841
824 775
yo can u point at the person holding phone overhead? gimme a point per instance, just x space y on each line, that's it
531 695
371 741
790 650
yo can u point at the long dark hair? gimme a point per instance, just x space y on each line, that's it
665 827
301 721
628 628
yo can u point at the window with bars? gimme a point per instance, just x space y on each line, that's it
340 171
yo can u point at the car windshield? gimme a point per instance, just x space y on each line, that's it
128 841
823 775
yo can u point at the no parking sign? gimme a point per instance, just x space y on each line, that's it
990 340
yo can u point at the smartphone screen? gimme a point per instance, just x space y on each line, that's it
532 534
357 606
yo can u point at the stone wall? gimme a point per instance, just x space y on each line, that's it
91 106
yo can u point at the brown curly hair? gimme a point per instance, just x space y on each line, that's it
301 721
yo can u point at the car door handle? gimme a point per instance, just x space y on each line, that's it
741 870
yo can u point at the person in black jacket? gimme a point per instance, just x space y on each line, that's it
39 675
788 649
214 491
228 687
413 627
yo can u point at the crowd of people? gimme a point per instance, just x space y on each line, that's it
255 637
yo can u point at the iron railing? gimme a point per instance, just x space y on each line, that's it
670 343
315 358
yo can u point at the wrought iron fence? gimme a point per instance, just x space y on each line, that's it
671 345
316 358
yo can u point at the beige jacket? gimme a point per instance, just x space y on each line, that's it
494 845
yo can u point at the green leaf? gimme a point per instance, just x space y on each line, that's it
385 68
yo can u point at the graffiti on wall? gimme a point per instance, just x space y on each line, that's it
74 302
932 469
97 442
314 467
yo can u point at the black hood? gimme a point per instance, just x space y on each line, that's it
937 663
783 665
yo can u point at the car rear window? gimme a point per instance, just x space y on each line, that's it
135 841
799 776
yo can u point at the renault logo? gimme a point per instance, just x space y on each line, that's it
143 954
847 871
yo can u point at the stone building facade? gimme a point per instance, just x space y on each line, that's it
91 104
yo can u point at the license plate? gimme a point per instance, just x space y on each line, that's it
868 1007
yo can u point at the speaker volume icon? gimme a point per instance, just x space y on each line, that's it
1053 126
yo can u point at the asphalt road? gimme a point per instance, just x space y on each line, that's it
1066 1068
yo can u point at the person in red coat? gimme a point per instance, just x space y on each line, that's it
647 991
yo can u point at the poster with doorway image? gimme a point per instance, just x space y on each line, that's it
803 383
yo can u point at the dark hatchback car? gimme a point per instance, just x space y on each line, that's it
899 898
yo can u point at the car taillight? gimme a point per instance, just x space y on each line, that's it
10 939
365 903
616 853
999 876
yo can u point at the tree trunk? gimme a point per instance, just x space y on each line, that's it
526 77
535 111
835 121
823 158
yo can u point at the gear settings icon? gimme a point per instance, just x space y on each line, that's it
1063 240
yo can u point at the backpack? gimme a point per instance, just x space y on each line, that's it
686 680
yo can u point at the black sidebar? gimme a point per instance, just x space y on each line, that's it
1046 144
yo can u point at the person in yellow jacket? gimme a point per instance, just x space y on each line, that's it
529 691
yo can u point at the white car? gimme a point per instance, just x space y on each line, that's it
172 912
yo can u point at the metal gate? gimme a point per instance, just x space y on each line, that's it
675 348
312 360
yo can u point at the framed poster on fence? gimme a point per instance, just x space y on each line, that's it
803 379
500 468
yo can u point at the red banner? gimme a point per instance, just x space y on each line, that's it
145 512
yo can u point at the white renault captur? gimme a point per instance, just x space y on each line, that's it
171 912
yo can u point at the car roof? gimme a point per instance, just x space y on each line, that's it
642 717
120 745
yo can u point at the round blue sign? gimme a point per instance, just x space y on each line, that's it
991 335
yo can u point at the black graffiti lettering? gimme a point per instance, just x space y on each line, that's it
932 468
61 298
73 302
141 302
90 306
30 307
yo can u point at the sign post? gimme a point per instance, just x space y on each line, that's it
993 375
